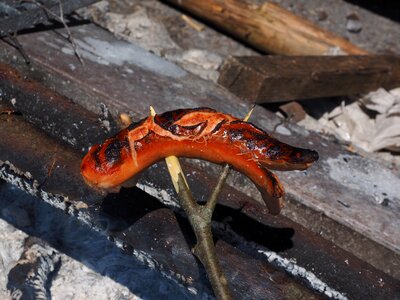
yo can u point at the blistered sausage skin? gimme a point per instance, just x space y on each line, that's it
201 133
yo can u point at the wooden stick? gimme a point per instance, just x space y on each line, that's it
200 219
173 165
269 28
212 201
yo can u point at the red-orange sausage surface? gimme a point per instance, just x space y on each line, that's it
201 133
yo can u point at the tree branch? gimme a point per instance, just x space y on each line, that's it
200 217
60 19
200 220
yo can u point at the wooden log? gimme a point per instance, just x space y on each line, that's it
280 78
269 28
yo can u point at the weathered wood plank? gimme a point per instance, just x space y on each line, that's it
260 79
136 222
134 79
18 16
143 227
48 110
269 27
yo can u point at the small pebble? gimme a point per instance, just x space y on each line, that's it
353 24
385 202
322 15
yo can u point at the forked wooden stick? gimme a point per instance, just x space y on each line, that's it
200 219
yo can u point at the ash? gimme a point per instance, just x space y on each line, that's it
46 254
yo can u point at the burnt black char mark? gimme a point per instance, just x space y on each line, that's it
167 119
304 156
218 126
254 138
191 130
113 150
235 134
95 155
250 127
274 152
277 192
293 155
147 139
134 125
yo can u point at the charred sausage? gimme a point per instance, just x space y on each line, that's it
201 133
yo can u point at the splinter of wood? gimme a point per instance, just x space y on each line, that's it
60 19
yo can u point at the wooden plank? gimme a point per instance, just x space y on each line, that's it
133 220
260 79
143 227
17 16
134 79
269 27
44 102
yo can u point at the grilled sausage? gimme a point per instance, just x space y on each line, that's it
201 133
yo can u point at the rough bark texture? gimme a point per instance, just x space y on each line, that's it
269 27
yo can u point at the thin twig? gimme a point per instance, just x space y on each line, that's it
204 248
200 219
224 174
192 23
247 117
51 168
7 111
212 201
282 122
61 20
17 44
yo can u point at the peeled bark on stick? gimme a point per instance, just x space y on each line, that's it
269 28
